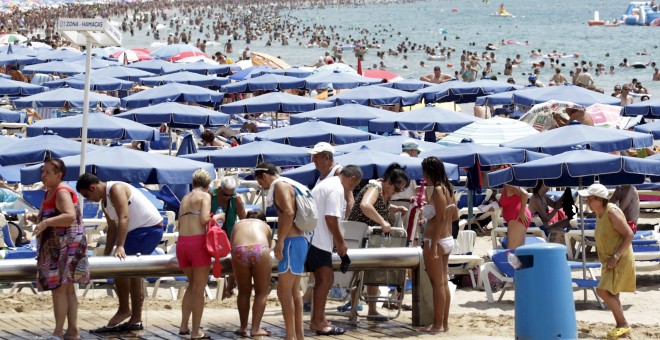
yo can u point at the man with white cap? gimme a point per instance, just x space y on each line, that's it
323 158
410 148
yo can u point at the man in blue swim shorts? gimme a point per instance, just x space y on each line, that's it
134 227
291 248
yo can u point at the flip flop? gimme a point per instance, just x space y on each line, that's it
334 330
618 332
429 331
184 333
377 318
107 329
268 333
205 336
53 337
129 327
242 334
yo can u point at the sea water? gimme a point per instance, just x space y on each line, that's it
546 25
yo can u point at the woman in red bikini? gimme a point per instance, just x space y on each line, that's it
194 260
516 214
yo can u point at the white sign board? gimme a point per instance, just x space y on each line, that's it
95 31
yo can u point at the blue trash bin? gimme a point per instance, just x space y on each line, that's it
544 305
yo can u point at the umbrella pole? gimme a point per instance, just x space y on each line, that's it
169 138
584 249
83 144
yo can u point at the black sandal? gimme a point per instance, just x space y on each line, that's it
107 329
129 327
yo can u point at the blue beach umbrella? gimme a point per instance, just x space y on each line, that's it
55 67
652 128
185 77
65 97
463 92
18 56
173 92
169 51
275 102
429 118
408 85
250 72
347 115
96 62
567 93
122 72
99 126
58 54
155 66
376 96
176 115
566 138
648 109
493 131
266 82
310 133
471 154
206 68
123 164
10 87
292 72
9 116
339 80
578 168
390 144
37 149
250 154
96 83
502 98
373 165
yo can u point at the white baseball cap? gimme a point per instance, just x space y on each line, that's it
322 147
595 189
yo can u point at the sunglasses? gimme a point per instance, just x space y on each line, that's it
226 194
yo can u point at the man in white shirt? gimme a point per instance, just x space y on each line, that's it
329 198
323 159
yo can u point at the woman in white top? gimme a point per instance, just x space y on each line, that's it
438 243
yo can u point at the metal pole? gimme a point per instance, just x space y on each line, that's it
584 248
167 265
83 142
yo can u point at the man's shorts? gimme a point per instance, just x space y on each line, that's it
317 258
294 255
143 240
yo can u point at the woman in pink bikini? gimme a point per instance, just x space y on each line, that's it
250 258
516 214
194 260
438 243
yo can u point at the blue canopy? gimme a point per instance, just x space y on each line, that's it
250 154
122 72
173 92
37 149
185 77
310 133
463 92
566 138
652 128
347 115
96 83
57 54
169 51
339 80
390 144
568 93
123 164
55 67
10 87
468 154
292 72
176 114
253 71
502 98
9 116
409 85
648 109
275 102
373 165
62 97
98 126
578 167
17 57
376 96
202 67
429 118
96 62
266 82
155 66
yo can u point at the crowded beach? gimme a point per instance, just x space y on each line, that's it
198 146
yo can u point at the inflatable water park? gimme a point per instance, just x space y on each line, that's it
642 13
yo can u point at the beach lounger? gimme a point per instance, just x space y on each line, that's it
461 260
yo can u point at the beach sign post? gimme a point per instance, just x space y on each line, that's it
88 32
